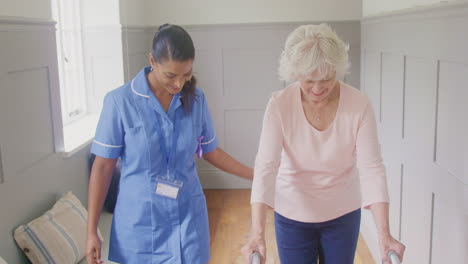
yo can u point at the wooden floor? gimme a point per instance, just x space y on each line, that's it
229 214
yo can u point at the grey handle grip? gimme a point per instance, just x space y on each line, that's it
255 258
394 258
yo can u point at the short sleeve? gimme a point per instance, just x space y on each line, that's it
109 139
209 141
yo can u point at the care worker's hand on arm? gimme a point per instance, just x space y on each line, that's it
256 241
99 182
386 241
225 162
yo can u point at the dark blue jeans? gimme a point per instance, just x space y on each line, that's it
332 242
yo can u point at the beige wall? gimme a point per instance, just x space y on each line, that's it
376 7
133 12
100 13
246 11
143 12
26 8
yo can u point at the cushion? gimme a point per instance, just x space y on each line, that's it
58 236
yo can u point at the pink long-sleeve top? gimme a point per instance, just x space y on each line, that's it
314 176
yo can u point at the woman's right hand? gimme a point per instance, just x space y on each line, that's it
93 249
256 243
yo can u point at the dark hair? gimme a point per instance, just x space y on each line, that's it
172 42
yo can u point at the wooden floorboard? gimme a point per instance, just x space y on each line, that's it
229 215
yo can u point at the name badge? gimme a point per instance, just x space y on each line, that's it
168 188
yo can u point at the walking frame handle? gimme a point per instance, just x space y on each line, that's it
255 258
393 256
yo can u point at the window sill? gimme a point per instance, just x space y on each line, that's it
78 135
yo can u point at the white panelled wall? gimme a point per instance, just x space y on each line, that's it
34 176
415 71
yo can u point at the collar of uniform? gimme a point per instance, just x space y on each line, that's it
140 87
139 84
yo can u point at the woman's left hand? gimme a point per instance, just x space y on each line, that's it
388 243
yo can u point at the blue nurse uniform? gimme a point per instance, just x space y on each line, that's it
147 227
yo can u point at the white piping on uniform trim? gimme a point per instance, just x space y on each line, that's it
106 145
204 143
131 85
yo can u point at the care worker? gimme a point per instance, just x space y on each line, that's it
156 123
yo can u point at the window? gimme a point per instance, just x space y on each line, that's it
70 60
90 63
77 121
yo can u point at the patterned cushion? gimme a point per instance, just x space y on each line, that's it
58 236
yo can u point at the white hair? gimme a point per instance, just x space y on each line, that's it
310 48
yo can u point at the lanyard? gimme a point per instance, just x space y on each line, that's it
169 157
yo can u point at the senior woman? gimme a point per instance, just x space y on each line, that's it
319 159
